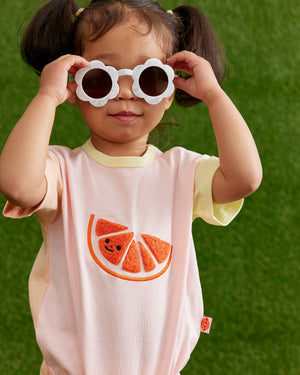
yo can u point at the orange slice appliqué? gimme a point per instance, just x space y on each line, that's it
114 248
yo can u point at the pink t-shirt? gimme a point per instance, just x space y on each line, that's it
115 287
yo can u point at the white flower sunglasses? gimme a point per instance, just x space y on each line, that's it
98 83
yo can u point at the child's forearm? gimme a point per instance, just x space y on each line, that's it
240 169
23 158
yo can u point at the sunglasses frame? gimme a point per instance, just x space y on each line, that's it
115 74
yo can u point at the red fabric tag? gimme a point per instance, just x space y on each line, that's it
206 324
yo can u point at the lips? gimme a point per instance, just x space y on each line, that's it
125 116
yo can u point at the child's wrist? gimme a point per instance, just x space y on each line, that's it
46 98
213 96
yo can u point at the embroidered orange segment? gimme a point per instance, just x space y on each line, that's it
114 247
104 227
120 255
159 248
148 262
132 262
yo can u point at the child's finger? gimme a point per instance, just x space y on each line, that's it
181 67
72 63
78 64
183 84
54 78
183 61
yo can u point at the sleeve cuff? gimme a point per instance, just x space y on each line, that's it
15 212
204 207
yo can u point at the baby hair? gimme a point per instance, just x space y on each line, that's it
56 30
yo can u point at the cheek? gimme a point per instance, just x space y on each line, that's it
86 108
90 114
154 117
159 109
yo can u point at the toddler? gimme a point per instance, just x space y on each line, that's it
115 287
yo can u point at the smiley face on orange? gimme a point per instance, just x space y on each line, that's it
114 247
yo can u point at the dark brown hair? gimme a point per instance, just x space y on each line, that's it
56 31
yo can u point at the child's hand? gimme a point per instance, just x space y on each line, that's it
54 78
203 83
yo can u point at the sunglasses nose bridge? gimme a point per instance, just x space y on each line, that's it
125 83
125 72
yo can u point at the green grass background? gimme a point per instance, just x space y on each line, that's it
249 270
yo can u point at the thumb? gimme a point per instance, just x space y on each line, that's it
182 84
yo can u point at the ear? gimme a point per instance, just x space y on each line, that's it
169 101
73 97
73 100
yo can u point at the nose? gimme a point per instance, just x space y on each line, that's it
125 88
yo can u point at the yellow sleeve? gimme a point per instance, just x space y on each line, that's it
204 207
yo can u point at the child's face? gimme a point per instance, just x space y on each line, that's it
125 119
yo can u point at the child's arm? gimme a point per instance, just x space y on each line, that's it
23 158
240 170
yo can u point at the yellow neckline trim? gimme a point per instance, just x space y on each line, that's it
120 161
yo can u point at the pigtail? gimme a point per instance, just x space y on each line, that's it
49 34
197 35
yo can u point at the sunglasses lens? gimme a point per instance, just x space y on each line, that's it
153 81
96 83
